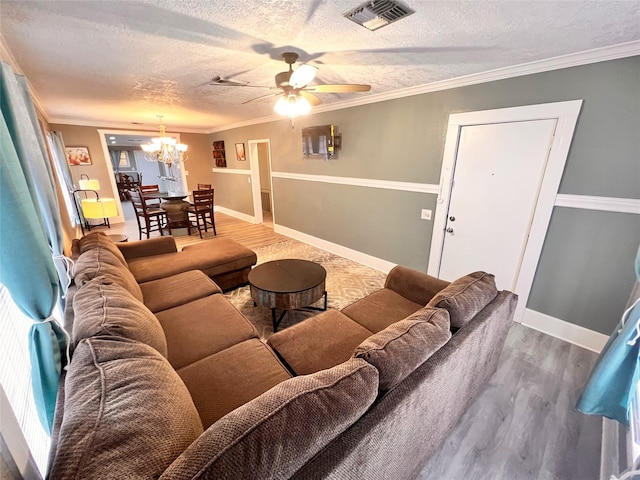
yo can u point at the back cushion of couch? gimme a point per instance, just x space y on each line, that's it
95 240
102 307
127 414
465 297
102 262
273 435
403 346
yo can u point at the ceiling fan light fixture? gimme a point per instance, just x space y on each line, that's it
302 76
292 106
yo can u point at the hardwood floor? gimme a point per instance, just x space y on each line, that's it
248 234
522 426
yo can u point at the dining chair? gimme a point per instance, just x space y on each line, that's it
155 202
202 208
152 217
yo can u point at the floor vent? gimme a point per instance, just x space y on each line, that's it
375 14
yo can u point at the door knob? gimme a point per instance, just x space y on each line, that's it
449 230
452 218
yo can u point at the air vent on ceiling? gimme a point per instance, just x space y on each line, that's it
375 14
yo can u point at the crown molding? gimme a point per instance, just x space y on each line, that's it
7 56
596 55
123 126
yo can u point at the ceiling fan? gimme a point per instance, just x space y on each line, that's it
295 92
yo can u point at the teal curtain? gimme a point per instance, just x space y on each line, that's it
612 385
30 236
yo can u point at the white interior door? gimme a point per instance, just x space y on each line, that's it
498 174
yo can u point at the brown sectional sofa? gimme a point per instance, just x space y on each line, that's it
168 380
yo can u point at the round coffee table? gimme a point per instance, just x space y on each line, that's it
287 285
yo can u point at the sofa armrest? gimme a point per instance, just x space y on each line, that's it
148 248
413 285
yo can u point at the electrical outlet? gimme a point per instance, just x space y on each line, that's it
425 214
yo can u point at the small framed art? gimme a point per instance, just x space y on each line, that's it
240 152
218 154
78 156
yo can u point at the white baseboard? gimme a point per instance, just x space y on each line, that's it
233 213
583 337
356 256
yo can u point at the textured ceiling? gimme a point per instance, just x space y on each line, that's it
111 63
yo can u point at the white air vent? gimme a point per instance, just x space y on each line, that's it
376 14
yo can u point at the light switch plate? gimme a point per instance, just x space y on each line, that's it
425 214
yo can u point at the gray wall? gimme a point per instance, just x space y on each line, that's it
403 140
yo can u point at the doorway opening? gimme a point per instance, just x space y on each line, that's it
261 182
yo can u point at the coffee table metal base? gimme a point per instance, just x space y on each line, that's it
276 322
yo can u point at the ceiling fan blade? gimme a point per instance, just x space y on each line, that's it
261 97
223 82
303 75
346 88
312 99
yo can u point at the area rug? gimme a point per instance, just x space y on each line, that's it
347 281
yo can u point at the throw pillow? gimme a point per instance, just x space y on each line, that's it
275 434
403 346
127 414
465 297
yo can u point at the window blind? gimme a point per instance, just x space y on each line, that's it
15 377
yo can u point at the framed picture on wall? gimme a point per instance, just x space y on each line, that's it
218 154
78 156
240 152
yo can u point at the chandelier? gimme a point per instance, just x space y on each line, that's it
164 149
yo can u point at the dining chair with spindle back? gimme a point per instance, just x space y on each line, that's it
149 218
202 208
155 202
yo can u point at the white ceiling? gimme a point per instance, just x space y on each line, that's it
114 63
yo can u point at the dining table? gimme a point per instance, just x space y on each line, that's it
175 204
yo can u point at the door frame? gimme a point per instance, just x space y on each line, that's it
102 133
566 115
254 164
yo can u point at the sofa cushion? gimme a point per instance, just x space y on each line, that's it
319 342
101 262
127 414
414 285
177 290
201 328
400 348
380 309
213 257
104 308
228 379
275 434
465 297
95 240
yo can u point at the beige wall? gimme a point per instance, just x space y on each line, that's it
200 160
199 163
80 136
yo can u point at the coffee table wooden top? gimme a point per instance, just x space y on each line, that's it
287 276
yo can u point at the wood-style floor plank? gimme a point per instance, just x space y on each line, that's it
524 424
